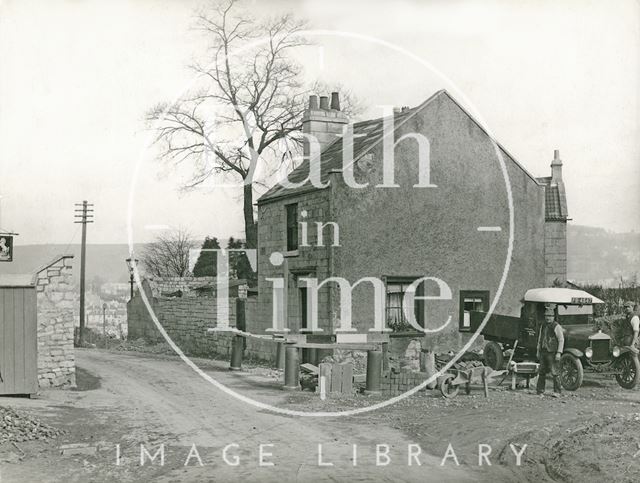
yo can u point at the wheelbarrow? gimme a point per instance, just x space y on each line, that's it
453 379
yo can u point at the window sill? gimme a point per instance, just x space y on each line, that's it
291 253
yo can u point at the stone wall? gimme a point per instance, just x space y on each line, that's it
555 252
56 294
187 320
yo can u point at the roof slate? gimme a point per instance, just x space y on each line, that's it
555 205
367 134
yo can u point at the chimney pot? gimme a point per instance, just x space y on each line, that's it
324 103
335 101
313 102
556 154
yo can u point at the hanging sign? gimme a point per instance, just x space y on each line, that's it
6 248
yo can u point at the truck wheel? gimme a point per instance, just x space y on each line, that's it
446 388
571 372
493 356
629 368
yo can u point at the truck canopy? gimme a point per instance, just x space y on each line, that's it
563 296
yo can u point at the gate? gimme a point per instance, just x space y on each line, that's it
18 336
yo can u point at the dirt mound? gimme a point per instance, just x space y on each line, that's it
140 345
604 449
17 426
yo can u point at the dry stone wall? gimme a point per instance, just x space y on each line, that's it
187 320
56 294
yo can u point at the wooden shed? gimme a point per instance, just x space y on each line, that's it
18 335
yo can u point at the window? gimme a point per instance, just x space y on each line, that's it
471 300
304 309
396 318
292 227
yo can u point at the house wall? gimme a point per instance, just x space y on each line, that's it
433 232
555 252
55 295
311 261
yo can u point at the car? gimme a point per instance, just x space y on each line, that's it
586 347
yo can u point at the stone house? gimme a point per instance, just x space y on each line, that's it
454 227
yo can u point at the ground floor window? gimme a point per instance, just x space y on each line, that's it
396 288
471 300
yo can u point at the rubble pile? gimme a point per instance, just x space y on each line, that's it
140 345
357 358
16 427
466 361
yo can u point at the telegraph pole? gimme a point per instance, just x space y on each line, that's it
84 215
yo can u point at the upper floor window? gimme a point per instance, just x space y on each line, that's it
292 227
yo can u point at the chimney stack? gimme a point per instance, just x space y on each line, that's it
556 167
335 101
323 122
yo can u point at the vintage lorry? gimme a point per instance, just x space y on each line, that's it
585 348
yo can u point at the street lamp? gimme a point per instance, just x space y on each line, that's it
131 264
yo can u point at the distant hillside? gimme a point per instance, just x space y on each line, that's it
600 256
106 262
595 255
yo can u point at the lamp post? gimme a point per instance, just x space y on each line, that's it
131 264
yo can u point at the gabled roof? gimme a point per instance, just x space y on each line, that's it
366 135
555 204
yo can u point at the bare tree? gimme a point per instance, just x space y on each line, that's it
249 100
168 255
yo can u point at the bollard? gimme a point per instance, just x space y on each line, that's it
280 351
313 357
374 372
237 348
291 369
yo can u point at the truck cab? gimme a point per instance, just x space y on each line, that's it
585 346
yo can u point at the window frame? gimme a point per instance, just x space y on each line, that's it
290 229
419 307
483 295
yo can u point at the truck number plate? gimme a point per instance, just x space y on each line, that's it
581 300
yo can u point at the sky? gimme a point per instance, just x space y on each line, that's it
78 76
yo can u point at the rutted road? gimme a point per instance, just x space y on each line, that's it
152 400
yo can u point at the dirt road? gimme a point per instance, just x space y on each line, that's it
133 399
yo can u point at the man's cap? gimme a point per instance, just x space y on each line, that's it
550 309
629 304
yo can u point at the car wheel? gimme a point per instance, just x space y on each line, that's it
629 368
446 388
571 372
493 356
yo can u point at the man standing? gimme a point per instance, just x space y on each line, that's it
631 327
550 347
